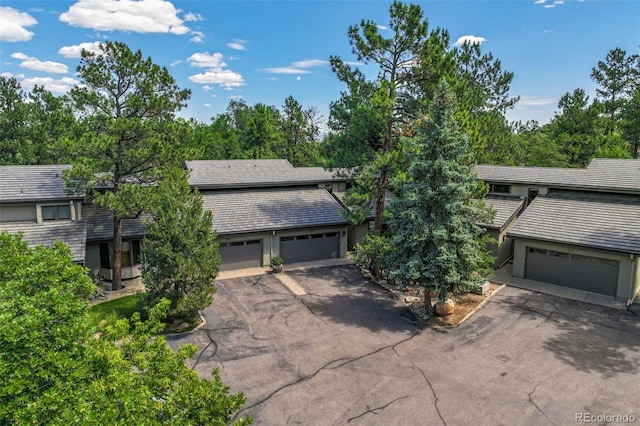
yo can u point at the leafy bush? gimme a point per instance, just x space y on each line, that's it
373 252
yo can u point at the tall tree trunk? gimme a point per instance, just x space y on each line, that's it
116 268
383 181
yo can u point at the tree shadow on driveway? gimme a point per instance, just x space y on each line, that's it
341 295
589 338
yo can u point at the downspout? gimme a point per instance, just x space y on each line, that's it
634 272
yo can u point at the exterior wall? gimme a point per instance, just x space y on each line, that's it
356 233
92 260
523 190
24 213
334 187
625 273
636 273
502 248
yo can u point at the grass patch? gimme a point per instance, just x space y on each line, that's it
122 307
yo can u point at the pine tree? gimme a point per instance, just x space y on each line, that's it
181 256
433 226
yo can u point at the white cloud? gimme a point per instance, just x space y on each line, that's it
549 6
299 67
76 50
192 17
176 62
470 39
143 16
381 27
207 60
206 88
13 23
533 101
217 73
235 97
539 2
237 44
207 105
225 78
298 78
198 37
36 64
6 75
60 85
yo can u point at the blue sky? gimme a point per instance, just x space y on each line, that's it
264 51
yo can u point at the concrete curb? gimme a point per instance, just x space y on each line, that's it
196 328
476 309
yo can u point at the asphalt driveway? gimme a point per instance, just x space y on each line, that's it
349 353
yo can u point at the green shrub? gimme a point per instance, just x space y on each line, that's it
373 252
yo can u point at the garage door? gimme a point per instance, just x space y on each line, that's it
241 254
304 248
586 273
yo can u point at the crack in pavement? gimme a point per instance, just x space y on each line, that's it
557 311
257 282
433 391
341 362
373 410
536 405
211 342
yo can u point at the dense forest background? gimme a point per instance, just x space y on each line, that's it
38 127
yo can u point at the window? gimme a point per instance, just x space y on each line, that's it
499 188
61 212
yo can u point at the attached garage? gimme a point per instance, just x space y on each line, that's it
588 273
304 248
241 254
581 240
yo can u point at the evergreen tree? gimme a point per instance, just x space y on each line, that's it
433 225
128 103
181 257
56 370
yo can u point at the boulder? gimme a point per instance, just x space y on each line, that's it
445 308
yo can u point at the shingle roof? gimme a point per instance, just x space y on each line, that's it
595 220
213 174
100 224
610 175
74 234
506 208
33 183
271 209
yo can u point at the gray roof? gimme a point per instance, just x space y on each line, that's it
74 234
100 224
33 183
505 208
604 221
214 174
607 175
243 211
